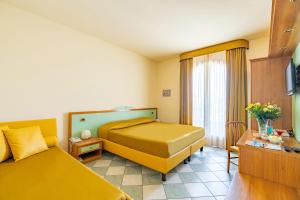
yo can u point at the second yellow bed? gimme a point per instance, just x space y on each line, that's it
155 138
159 146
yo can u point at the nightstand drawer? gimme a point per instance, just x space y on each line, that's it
89 148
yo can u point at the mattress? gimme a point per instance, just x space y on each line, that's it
147 135
52 175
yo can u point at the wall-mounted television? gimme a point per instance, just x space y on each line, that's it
290 78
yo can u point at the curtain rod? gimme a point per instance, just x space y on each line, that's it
240 43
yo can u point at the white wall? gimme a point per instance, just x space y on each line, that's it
48 70
168 77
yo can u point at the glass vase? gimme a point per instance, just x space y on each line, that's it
270 127
262 127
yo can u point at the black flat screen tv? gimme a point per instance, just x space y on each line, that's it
290 78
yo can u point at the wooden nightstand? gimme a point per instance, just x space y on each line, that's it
87 150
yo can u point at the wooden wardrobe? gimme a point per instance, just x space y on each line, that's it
268 85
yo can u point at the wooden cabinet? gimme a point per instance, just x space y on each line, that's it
87 150
268 85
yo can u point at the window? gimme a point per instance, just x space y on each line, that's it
209 96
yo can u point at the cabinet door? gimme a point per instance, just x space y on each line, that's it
268 85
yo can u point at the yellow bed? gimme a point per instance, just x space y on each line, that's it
160 146
147 135
52 174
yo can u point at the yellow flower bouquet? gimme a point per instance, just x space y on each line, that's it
264 113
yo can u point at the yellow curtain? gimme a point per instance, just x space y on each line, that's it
236 87
186 88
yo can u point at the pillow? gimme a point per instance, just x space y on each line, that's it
5 152
25 142
51 140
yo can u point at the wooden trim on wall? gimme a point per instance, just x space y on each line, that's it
215 48
103 111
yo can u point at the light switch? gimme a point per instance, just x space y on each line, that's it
166 93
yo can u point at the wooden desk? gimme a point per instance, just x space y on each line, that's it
276 166
245 187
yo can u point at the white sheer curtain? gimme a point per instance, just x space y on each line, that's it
209 97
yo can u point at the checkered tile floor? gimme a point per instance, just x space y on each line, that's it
204 178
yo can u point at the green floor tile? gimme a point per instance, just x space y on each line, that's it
115 163
152 179
199 168
189 177
115 179
90 164
134 191
174 191
100 170
133 170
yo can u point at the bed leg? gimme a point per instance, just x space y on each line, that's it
201 149
163 177
185 161
189 158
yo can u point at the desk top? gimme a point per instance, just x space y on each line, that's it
251 135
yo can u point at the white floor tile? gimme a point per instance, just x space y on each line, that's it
217 188
204 198
184 168
207 176
132 180
195 161
220 159
223 175
172 178
219 197
102 163
153 192
115 170
214 167
197 190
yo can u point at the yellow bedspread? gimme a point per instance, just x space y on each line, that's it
149 136
53 175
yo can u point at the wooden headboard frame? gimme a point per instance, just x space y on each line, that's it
71 114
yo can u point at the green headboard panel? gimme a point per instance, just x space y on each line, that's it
80 121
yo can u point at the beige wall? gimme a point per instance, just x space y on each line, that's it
168 76
48 70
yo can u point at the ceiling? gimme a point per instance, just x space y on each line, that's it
159 29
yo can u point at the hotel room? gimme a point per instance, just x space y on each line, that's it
150 99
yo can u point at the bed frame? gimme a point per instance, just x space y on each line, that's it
92 120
